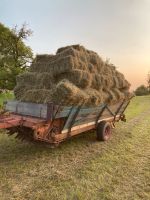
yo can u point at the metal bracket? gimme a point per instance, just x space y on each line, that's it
122 115
100 113
50 111
74 118
119 108
110 111
52 117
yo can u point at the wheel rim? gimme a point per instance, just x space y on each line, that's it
107 133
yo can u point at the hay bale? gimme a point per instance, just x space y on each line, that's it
40 67
126 84
120 81
44 81
96 61
79 78
37 96
44 57
112 97
68 94
38 80
76 47
79 56
20 90
116 83
55 67
70 51
107 81
97 82
126 92
106 96
94 97
62 65
73 75
119 95
91 68
26 78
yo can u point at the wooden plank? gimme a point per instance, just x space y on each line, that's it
40 110
93 116
28 109
84 119
79 129
65 111
71 115
83 116
89 115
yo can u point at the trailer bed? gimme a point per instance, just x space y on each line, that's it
55 123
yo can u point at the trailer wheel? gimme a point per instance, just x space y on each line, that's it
104 131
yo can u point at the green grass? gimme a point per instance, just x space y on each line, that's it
82 168
5 97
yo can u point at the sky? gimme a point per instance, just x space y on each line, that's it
118 30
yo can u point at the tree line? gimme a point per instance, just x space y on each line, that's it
144 89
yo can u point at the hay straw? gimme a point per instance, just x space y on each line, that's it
68 93
37 96
79 78
44 57
73 75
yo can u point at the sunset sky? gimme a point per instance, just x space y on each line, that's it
115 29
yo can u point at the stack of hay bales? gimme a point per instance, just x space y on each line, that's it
73 76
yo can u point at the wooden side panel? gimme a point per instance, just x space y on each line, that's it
40 110
113 109
85 115
64 111
86 118
28 109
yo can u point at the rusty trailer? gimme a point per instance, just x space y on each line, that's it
54 123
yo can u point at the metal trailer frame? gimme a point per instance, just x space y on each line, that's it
54 123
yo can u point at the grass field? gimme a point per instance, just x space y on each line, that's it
82 168
4 97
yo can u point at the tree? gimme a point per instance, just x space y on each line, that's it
142 90
15 56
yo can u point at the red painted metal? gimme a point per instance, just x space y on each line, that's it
17 120
50 131
8 122
46 131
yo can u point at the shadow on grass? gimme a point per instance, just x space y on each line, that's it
12 150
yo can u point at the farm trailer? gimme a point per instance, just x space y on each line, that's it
54 123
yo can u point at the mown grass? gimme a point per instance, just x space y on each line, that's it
82 168
139 104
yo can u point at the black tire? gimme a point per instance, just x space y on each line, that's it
104 131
